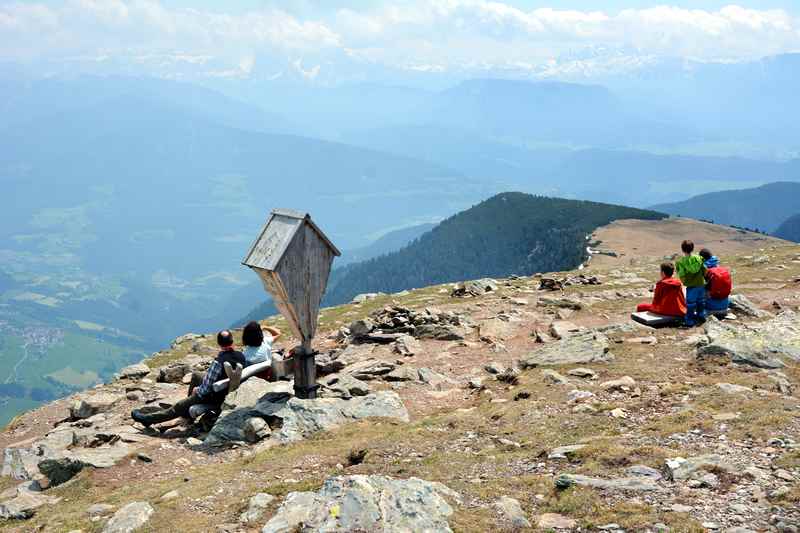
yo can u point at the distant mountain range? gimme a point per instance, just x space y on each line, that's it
763 208
510 233
790 229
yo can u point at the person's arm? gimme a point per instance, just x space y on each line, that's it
275 332
213 375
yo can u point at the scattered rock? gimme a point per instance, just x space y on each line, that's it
136 371
256 429
173 373
24 505
554 377
366 503
99 509
581 348
583 373
362 327
761 345
256 507
171 495
565 303
643 340
730 388
407 346
555 521
92 404
61 470
742 305
511 510
561 329
129 518
476 287
624 383
634 484
346 386
494 368
402 373
565 452
678 468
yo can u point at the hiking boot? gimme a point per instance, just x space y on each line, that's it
148 419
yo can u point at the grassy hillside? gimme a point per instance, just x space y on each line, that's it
763 208
790 229
511 233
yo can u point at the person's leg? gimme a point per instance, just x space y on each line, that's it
701 304
644 307
691 306
180 409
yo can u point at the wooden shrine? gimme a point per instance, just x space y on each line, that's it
293 259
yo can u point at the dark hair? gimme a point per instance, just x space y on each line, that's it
687 247
668 269
252 334
225 338
706 254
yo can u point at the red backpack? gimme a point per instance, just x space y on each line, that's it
719 282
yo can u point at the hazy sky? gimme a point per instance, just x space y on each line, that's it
238 38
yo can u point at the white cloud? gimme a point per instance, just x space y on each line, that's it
429 35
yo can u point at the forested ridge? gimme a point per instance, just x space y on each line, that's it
510 233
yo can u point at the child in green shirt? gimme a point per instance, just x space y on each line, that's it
692 273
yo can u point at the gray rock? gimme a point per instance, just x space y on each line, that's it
561 329
99 509
369 369
366 503
512 511
581 348
365 297
643 471
136 371
494 368
362 327
580 372
87 406
433 378
761 345
407 346
173 373
496 329
328 363
564 452
255 508
635 484
171 495
565 303
678 468
622 384
24 505
256 429
441 332
248 393
292 419
60 470
345 386
476 287
129 518
402 373
554 377
730 388
742 305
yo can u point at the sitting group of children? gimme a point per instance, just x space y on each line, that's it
708 286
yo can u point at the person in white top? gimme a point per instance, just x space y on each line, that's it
257 342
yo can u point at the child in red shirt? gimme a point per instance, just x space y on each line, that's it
668 298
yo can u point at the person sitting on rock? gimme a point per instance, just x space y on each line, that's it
202 393
718 283
257 346
668 299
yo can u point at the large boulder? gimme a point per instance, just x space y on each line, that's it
475 287
580 348
441 332
249 392
366 503
173 373
136 371
24 505
761 345
292 419
130 518
743 306
90 405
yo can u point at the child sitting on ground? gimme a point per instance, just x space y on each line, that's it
692 273
718 283
668 296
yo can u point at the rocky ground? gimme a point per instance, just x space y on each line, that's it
516 404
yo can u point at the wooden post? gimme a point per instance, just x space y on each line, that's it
293 259
305 372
